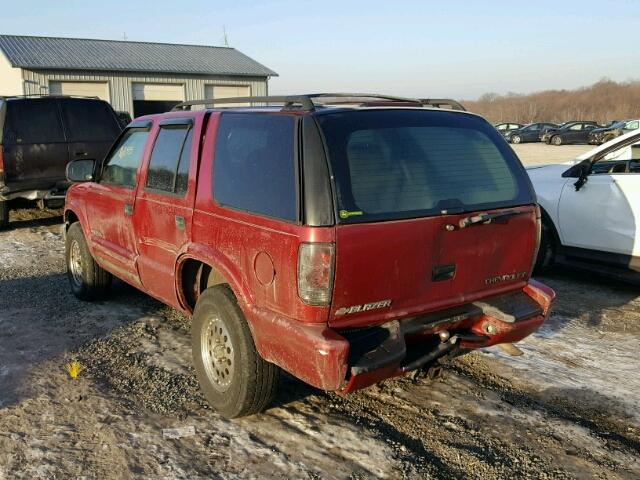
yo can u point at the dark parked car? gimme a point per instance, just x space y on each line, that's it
528 133
598 136
40 135
573 132
503 128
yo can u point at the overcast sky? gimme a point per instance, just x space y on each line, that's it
423 48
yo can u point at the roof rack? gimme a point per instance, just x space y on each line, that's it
309 102
442 102
49 95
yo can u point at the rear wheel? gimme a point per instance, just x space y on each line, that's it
4 214
88 280
233 376
556 140
516 139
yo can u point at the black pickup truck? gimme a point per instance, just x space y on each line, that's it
39 135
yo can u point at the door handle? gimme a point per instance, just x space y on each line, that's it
80 153
179 222
128 209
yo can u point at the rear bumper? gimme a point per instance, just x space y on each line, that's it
352 359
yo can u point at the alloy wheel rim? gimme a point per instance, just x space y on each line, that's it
75 263
217 354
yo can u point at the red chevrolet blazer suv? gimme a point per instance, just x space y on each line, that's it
343 238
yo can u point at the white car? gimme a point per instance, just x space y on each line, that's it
591 209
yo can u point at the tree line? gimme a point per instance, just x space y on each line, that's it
603 101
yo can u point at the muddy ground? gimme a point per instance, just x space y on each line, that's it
568 408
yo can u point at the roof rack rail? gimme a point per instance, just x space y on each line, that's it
296 102
40 95
308 102
440 102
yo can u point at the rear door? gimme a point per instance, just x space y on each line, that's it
110 204
164 206
405 180
91 127
35 150
532 132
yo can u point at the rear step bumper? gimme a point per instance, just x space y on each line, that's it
348 360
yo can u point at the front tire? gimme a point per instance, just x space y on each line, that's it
556 140
234 378
4 214
547 250
88 280
516 139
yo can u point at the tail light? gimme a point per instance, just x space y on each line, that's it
537 238
315 272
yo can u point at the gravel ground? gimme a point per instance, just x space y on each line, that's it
540 153
568 408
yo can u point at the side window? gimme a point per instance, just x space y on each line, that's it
121 166
169 165
32 121
576 127
254 165
89 120
632 125
535 127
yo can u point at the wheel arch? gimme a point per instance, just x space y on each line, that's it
547 220
196 273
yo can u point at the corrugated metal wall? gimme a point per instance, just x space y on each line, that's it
37 82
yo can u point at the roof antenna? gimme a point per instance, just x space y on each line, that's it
124 36
225 38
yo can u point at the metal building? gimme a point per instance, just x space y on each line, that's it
135 77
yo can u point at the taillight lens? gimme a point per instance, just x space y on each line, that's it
537 239
315 272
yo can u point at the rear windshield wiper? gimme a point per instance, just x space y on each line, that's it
485 218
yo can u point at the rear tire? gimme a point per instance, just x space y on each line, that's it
234 378
88 280
4 214
556 140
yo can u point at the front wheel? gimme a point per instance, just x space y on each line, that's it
547 250
88 280
234 378
516 139
556 140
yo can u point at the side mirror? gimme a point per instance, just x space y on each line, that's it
81 170
583 175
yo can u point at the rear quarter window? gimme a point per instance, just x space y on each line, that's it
254 168
402 164
89 120
32 121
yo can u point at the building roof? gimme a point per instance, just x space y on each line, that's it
85 54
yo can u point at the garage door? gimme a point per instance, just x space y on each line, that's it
158 92
150 98
83 89
227 91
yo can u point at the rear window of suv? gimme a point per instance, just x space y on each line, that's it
391 164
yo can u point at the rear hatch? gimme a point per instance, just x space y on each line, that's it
435 210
